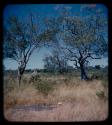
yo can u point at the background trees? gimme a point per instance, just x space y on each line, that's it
79 37
82 37
85 39
55 62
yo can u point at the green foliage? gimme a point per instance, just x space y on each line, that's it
100 94
34 78
44 86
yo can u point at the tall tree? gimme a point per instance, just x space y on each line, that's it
20 40
84 37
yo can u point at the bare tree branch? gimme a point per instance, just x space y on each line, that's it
73 54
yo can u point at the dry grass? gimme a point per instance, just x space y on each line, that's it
79 102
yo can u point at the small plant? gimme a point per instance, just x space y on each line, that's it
34 78
44 86
101 94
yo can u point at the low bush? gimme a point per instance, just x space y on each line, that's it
44 86
101 94
34 78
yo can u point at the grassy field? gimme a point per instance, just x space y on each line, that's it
55 98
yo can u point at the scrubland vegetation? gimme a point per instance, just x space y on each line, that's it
67 89
79 100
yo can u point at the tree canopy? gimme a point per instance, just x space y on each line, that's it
82 38
21 39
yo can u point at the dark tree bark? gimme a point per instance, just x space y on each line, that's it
21 69
83 72
19 78
20 41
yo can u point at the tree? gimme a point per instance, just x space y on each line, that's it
55 62
20 40
83 37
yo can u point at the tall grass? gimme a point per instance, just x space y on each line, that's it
79 99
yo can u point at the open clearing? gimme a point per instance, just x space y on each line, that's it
70 100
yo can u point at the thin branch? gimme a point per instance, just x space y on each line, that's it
76 64
95 57
28 50
68 58
74 54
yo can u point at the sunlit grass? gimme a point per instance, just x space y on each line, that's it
79 99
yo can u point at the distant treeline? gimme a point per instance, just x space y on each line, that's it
69 69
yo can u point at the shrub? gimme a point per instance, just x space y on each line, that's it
34 78
101 94
44 86
94 76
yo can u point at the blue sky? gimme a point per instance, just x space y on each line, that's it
41 10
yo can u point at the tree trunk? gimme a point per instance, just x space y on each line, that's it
20 74
19 80
19 77
83 72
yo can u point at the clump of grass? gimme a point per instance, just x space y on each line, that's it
105 82
101 94
9 84
44 86
66 81
34 78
